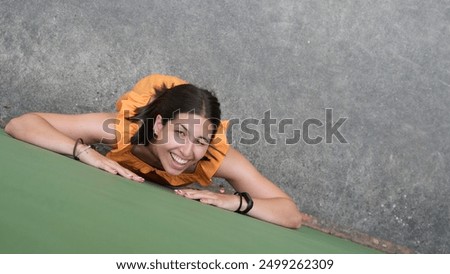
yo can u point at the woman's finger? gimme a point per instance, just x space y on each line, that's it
114 168
127 173
195 194
226 201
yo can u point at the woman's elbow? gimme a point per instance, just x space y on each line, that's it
10 127
292 219
295 221
17 125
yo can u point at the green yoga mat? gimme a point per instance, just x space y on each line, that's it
50 203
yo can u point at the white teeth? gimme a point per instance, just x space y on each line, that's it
178 159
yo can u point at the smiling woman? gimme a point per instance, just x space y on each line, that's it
170 132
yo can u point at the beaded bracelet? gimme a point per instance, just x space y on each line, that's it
79 140
88 147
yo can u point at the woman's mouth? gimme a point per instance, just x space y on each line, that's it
178 159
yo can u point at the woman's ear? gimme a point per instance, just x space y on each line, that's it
158 125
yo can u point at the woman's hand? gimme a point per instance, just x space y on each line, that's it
91 157
225 201
270 203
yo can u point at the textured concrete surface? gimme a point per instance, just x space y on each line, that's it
381 66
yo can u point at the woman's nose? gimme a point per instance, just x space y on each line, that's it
187 149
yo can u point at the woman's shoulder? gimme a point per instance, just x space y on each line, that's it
154 81
145 89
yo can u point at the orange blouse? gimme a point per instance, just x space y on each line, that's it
140 96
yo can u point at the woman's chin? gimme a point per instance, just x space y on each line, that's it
174 173
174 170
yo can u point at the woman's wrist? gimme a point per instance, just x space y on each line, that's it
83 150
245 202
79 148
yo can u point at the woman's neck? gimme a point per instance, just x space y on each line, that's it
146 154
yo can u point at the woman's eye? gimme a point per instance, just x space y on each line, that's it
202 142
181 134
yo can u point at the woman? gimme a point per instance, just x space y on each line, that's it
167 131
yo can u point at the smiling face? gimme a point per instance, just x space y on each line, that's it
181 142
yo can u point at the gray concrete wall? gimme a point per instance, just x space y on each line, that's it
382 66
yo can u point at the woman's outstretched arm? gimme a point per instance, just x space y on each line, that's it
59 132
